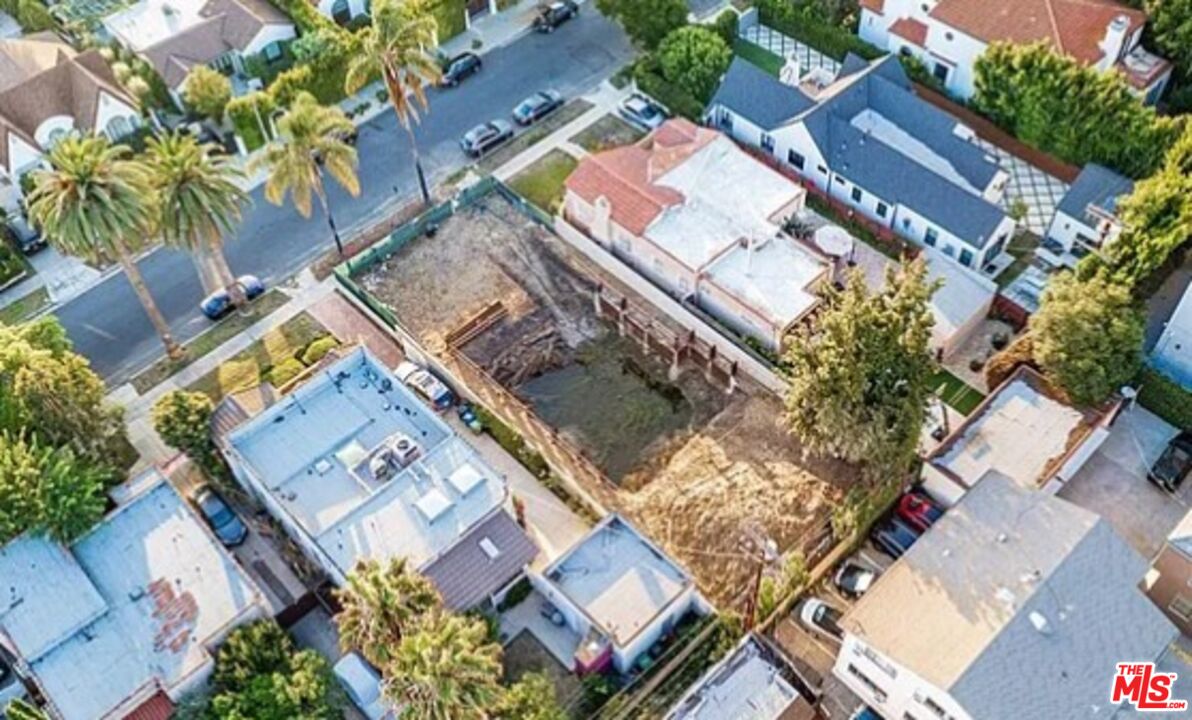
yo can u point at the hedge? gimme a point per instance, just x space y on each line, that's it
802 24
245 118
449 15
1165 397
11 262
650 81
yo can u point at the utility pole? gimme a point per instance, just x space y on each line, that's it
763 551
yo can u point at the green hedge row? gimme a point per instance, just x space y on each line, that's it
1165 397
449 14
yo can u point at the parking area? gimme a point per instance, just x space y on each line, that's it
1113 482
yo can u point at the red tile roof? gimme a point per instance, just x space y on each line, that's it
910 29
625 176
877 6
157 707
1074 27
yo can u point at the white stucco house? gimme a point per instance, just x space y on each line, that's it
47 91
177 35
1086 219
864 139
949 35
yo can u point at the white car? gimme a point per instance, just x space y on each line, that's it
421 381
363 686
642 111
818 616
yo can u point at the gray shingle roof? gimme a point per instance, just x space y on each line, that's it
465 575
758 96
1097 186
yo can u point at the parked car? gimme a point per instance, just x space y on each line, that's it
554 15
818 616
483 138
642 111
421 381
894 537
1174 465
918 510
23 236
219 303
537 106
460 68
852 578
363 685
219 515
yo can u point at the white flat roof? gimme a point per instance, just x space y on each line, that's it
961 297
311 451
167 588
619 578
774 278
743 686
729 196
149 22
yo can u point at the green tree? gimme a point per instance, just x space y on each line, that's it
207 92
1171 31
447 668
530 698
183 420
860 376
22 710
1075 112
95 203
1087 336
396 47
47 490
310 142
302 688
381 604
694 58
198 202
50 390
250 650
646 22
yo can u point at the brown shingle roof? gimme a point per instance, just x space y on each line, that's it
466 576
1074 27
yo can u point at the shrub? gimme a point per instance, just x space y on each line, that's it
449 17
694 58
649 79
285 371
647 22
250 117
207 92
1165 397
317 348
726 25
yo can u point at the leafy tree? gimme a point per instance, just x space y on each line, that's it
183 420
381 604
94 202
1075 112
646 22
51 391
207 92
396 47
22 710
303 688
311 142
47 490
859 379
1171 31
694 58
251 650
1087 336
530 698
445 669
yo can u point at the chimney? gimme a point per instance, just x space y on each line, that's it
1114 44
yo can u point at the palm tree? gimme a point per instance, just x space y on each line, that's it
96 203
446 670
22 710
380 605
396 48
310 141
198 202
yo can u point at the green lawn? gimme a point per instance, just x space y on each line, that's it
24 308
608 132
759 56
219 334
955 393
542 182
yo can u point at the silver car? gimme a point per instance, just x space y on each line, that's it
537 106
642 111
485 137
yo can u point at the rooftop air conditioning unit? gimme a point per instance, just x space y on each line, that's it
403 448
383 465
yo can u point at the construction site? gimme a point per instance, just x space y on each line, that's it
631 409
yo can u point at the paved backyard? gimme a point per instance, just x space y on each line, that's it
784 46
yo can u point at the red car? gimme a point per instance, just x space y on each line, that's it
918 511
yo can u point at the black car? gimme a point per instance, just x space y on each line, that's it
483 138
852 578
1174 465
554 15
459 68
537 106
894 537
218 514
23 235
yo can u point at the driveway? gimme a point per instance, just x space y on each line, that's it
1113 482
108 326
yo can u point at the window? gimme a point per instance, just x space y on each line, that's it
966 257
821 169
930 237
856 194
795 159
882 664
1181 607
882 209
934 707
870 685
841 181
768 143
906 223
948 36
940 72
726 119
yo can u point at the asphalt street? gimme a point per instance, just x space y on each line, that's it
107 324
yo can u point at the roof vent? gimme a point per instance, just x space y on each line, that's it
490 548
1039 621
1002 537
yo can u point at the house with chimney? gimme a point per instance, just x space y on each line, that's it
863 138
949 35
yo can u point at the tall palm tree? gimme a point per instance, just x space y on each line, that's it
396 47
446 670
198 202
381 603
310 142
96 203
